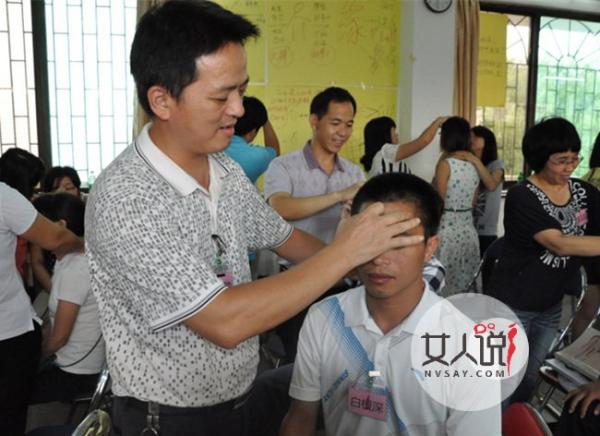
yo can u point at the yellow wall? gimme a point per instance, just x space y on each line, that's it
306 46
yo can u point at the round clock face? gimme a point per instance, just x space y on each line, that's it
438 5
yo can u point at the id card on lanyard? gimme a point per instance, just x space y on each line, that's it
368 399
220 267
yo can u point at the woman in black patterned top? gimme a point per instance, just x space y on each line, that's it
549 219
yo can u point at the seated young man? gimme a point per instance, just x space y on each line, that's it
371 327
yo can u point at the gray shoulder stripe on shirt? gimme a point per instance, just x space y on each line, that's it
188 312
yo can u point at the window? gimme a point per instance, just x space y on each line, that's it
91 92
17 82
508 122
566 76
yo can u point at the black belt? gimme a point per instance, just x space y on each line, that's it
143 406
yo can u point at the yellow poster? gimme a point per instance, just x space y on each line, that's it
491 71
308 45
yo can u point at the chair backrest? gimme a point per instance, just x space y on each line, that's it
102 388
490 259
520 419
486 266
577 284
96 423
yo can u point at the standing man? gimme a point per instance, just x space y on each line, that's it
253 159
168 226
309 186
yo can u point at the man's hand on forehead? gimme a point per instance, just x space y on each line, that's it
372 232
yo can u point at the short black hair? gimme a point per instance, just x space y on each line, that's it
549 136
56 174
377 132
455 135
21 170
490 146
320 102
63 206
169 38
255 116
389 187
595 155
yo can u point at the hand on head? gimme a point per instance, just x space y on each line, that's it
371 232
349 193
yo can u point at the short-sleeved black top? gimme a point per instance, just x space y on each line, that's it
528 276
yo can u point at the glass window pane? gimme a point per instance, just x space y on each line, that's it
15 18
17 84
93 90
568 77
508 122
19 88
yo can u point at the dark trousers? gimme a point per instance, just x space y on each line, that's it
487 267
571 424
129 419
484 242
259 414
54 384
269 401
19 359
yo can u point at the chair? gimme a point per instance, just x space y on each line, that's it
96 423
549 376
486 266
576 287
520 419
95 399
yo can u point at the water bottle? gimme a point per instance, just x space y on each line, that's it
91 179
521 177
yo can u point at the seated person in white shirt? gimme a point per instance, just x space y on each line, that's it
73 334
370 324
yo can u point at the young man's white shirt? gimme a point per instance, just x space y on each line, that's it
323 371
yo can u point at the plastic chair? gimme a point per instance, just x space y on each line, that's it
520 419
486 266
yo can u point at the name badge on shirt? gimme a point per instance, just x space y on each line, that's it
367 401
581 217
221 269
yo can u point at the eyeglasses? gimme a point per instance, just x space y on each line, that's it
565 161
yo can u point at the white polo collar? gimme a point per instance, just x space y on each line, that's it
358 313
172 173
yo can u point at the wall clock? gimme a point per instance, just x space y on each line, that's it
438 6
